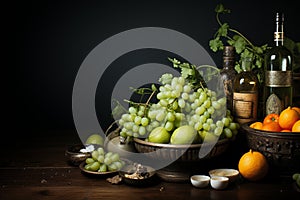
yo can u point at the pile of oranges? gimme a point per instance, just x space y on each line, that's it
287 121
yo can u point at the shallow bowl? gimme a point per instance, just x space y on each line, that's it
232 174
219 182
200 181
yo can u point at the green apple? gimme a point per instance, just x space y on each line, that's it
95 139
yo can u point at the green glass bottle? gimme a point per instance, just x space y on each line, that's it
278 73
245 93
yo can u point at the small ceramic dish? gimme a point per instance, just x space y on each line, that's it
142 178
232 174
219 182
74 156
200 181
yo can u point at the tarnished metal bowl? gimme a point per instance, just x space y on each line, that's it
282 149
187 158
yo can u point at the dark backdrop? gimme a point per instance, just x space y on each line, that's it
50 40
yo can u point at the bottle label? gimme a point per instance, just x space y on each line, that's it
278 78
273 104
278 36
245 106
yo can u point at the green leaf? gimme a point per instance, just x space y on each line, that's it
223 30
216 44
240 43
221 9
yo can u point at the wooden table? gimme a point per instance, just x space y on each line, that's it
36 168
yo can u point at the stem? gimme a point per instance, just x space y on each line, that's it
237 32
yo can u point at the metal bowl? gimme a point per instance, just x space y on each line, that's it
187 152
282 149
185 165
74 156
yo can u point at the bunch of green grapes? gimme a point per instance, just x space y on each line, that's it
296 177
180 104
102 161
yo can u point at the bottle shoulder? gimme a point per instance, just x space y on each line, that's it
278 50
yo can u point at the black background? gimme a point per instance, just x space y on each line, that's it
49 40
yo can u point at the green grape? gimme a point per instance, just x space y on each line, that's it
132 110
218 131
169 126
160 95
198 126
101 151
135 128
114 157
137 120
103 168
209 121
202 97
226 121
216 105
185 96
142 130
171 117
152 114
181 80
211 110
200 110
160 116
227 132
123 134
213 127
88 166
206 126
107 160
144 121
108 154
89 160
175 105
101 158
187 88
94 166
233 126
128 125
140 113
95 155
220 124
163 102
112 167
207 103
181 103
118 164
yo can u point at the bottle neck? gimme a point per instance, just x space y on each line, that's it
279 33
228 63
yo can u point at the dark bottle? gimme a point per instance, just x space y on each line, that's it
228 74
245 93
278 73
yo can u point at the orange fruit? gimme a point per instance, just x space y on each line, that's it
253 166
256 125
287 118
273 117
297 109
296 126
271 126
285 130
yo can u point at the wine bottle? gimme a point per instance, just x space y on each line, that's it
245 93
278 73
228 74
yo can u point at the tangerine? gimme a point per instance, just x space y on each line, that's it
285 130
253 165
297 109
273 117
256 125
296 126
287 118
271 126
